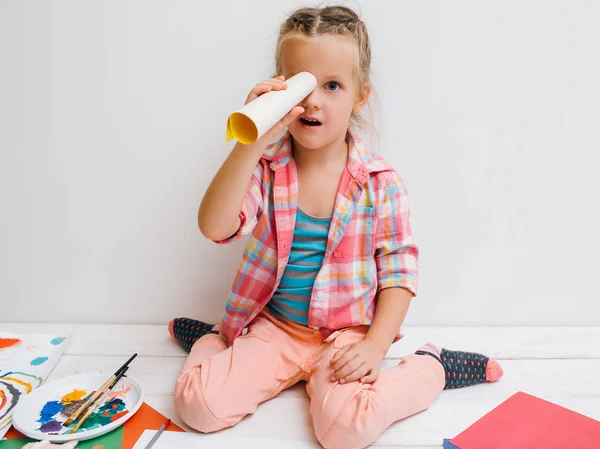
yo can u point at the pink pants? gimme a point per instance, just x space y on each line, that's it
219 385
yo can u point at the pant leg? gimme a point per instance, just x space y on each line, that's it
218 386
354 415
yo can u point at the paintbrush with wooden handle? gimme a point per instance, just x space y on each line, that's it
97 393
97 402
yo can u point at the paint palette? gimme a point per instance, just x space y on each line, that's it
41 414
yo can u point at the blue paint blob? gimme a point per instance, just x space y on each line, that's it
38 361
50 409
58 340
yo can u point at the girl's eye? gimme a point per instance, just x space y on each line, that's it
333 85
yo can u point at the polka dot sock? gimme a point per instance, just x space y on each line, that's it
464 369
187 331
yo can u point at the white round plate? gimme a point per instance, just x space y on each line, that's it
27 417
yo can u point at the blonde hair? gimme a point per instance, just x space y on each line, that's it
333 20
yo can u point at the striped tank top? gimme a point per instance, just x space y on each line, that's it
291 300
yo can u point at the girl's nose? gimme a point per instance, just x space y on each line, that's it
313 101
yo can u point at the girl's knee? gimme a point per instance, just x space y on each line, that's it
350 424
191 404
349 436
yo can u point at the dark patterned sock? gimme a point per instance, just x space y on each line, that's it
186 331
464 369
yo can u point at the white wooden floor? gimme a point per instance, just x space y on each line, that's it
561 365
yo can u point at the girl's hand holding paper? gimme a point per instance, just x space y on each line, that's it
270 107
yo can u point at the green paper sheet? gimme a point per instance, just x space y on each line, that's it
111 440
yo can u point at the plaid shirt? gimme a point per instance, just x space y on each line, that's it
369 247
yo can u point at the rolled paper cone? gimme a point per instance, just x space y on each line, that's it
251 122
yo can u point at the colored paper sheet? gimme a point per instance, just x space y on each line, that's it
25 362
527 422
196 440
110 440
146 418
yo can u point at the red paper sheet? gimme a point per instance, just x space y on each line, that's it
527 422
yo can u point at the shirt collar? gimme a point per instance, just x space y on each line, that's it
362 161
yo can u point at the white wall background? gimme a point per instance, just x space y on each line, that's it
112 123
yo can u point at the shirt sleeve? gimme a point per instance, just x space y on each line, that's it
396 254
251 207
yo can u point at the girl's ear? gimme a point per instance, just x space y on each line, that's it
363 97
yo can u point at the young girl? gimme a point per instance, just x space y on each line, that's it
330 269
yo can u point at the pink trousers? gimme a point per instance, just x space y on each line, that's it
219 385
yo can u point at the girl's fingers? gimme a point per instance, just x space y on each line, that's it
355 375
260 88
338 355
282 124
264 87
371 377
345 366
349 371
274 83
291 116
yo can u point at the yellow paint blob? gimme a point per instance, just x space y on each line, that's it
75 395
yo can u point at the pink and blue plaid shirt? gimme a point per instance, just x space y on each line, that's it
369 248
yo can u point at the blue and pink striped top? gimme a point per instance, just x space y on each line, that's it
291 300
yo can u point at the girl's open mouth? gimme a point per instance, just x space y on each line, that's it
309 122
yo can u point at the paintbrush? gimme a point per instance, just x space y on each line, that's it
97 402
97 393
158 433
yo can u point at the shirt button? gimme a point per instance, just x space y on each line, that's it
320 295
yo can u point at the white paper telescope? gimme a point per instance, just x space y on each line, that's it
251 122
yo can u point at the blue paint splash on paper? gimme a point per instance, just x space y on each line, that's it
58 340
38 361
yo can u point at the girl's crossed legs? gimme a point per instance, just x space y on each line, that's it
219 385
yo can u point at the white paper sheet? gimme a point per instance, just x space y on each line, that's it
25 362
251 122
194 440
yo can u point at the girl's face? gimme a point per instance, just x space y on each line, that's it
331 59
